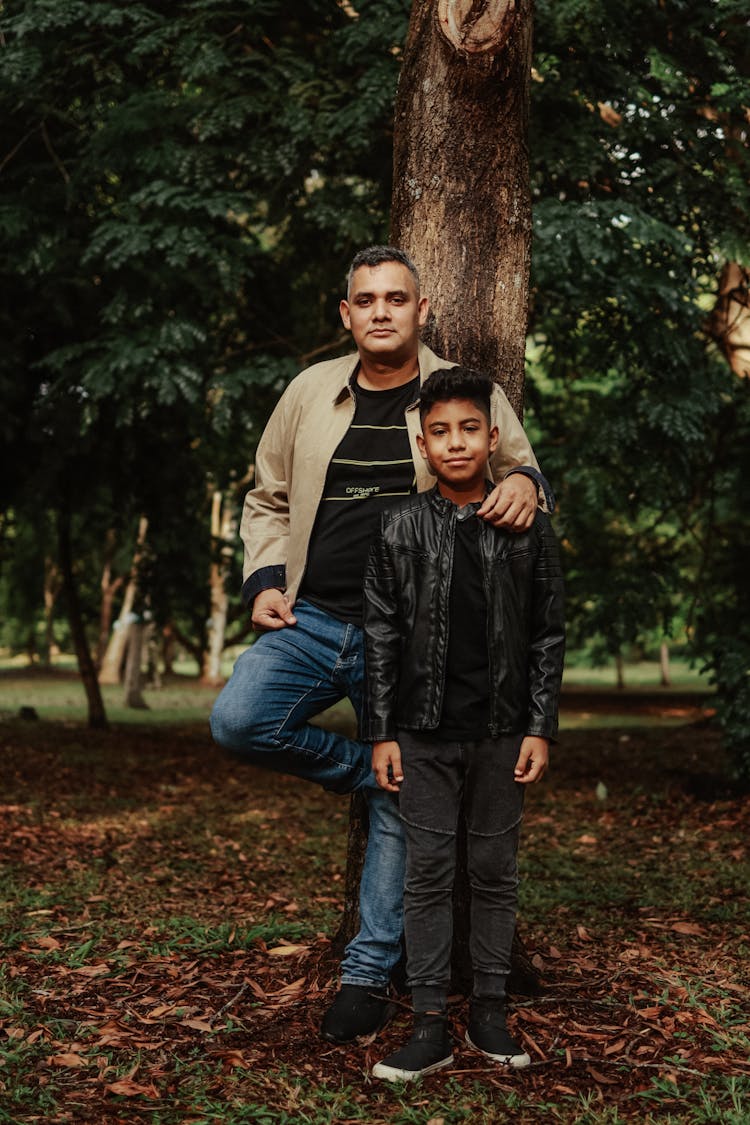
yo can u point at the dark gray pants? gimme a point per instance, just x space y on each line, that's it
436 776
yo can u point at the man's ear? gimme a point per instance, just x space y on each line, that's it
423 309
344 311
494 439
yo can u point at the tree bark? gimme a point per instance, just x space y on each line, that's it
97 714
461 199
461 207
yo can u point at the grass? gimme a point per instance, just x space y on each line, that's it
166 924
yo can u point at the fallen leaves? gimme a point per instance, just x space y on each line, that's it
107 979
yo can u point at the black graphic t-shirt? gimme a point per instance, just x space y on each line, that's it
371 468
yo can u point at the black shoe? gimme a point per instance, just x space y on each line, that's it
487 1033
428 1049
357 1011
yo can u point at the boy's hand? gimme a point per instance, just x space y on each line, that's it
532 759
512 503
386 764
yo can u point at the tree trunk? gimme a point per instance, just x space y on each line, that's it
112 663
110 587
666 676
97 714
620 671
223 528
461 208
461 199
51 592
730 321
133 677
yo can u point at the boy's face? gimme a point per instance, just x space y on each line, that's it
456 442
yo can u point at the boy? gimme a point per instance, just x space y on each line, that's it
464 642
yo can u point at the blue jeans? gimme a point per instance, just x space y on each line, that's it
437 775
262 715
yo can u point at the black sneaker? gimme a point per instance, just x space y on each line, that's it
487 1033
357 1011
428 1049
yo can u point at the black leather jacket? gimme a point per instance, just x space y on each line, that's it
407 583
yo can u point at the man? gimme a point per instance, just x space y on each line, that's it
340 446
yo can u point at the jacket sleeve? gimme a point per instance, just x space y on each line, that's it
547 642
264 528
382 642
514 453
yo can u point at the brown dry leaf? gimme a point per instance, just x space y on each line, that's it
287 950
649 1013
198 1025
92 970
126 1088
67 1058
159 1011
615 1048
585 839
599 1077
47 942
688 928
583 933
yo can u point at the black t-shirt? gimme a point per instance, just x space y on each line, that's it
371 468
466 698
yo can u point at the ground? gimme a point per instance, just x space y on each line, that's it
168 915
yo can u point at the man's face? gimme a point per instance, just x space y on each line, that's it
384 312
456 442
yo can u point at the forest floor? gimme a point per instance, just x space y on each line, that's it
167 915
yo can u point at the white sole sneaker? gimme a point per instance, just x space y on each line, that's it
396 1074
516 1061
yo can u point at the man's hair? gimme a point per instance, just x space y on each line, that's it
456 382
375 256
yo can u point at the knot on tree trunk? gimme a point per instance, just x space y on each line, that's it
476 26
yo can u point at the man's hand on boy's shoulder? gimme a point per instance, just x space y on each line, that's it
512 503
533 759
386 764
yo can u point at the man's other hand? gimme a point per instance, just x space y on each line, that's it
512 503
271 610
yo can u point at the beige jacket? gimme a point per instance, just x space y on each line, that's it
292 461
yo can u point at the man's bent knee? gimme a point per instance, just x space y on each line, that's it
240 730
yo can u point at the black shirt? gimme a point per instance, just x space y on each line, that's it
372 467
466 697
